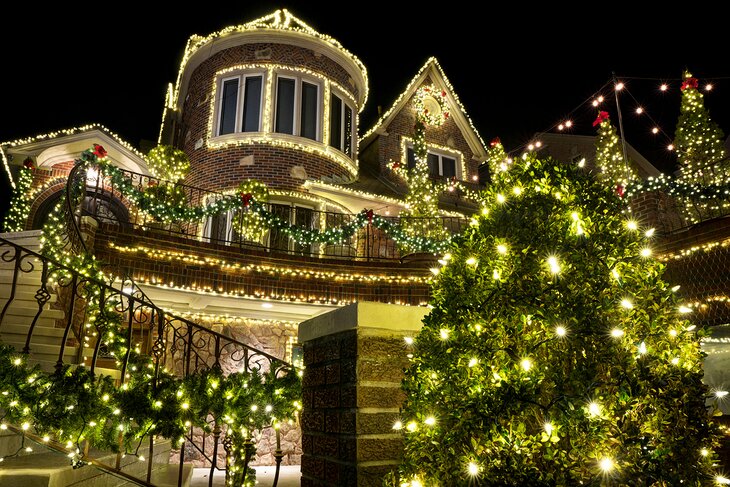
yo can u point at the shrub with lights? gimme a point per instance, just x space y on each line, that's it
249 224
555 354
20 203
497 158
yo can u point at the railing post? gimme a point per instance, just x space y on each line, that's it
278 455
214 459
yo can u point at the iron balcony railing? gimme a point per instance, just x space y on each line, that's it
107 202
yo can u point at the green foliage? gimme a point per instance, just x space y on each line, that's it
168 163
19 211
609 156
699 141
497 158
249 224
554 354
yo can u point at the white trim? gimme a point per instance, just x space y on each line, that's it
241 76
221 90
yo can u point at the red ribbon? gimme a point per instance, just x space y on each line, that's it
246 198
99 151
689 83
396 165
620 190
602 117
369 214
495 141
28 162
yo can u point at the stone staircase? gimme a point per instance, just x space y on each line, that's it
43 467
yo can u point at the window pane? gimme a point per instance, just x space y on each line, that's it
309 111
335 122
278 239
411 156
229 100
348 131
449 167
285 106
303 219
433 165
252 104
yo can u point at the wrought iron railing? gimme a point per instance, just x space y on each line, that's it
105 201
174 343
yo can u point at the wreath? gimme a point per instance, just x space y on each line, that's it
248 223
431 105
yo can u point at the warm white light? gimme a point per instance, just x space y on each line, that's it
627 304
46 439
548 428
398 425
708 87
560 127
642 348
675 360
619 86
502 249
617 333
269 408
471 261
526 364
645 252
496 275
472 468
412 426
606 464
672 333
664 87
408 340
600 99
254 408
675 288
595 103
185 405
721 393
561 331
538 144
655 130
632 225
444 333
430 421
568 123
517 190
267 305
473 362
722 480
554 264
639 110
17 361
531 147
594 409
670 147
649 233
685 309
435 271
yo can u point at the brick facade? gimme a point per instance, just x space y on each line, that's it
219 168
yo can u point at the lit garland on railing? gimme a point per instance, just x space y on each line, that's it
20 203
680 188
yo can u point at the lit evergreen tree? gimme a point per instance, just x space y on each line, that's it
497 158
20 203
554 354
167 162
699 141
609 153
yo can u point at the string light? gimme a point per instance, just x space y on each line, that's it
606 464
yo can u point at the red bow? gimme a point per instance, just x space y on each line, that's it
28 162
689 83
99 151
443 93
495 141
602 117
369 214
620 190
396 165
246 198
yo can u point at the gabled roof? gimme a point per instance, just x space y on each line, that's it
72 141
433 71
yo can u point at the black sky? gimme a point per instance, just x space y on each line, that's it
517 69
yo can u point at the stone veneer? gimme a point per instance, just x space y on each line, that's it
354 359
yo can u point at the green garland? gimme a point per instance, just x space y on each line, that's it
20 203
679 188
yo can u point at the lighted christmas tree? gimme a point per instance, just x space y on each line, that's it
497 158
166 162
609 154
699 141
20 203
554 354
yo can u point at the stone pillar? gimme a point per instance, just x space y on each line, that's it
354 359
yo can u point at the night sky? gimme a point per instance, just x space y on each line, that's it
518 72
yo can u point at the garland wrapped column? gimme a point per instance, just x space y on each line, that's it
20 204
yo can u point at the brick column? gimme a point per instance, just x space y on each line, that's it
354 359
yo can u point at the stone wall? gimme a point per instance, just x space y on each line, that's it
354 359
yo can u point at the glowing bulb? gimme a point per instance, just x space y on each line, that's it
722 480
664 87
269 408
502 249
548 428
617 333
408 340
25 426
708 87
500 198
17 361
670 147
412 426
600 99
397 425
625 303
471 261
254 408
649 233
472 469
517 190
619 86
595 103
158 404
267 305
531 146
430 421
435 271
645 252
632 225
46 439
639 110
594 409
672 333
704 452
561 331
606 464
675 360
444 333
568 123
105 397
642 348
473 362
685 309
185 405
655 130
561 127
538 144
496 275
721 393
554 264
526 364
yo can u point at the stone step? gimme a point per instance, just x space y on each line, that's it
9 443
30 239
28 309
23 293
41 334
44 468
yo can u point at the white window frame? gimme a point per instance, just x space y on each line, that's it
344 103
241 77
298 80
441 155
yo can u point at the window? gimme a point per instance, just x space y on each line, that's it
439 165
297 107
341 125
300 216
239 108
